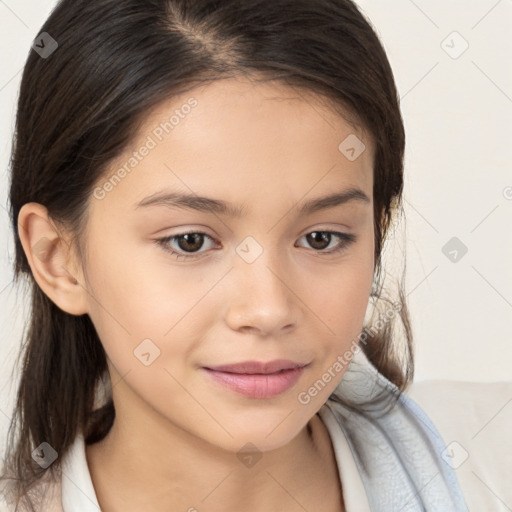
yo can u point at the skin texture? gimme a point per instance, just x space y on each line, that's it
175 439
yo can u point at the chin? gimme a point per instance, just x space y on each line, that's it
265 435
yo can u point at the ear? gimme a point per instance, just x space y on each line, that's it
50 257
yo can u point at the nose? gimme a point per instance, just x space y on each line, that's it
262 297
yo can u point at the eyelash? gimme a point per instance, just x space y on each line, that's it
348 239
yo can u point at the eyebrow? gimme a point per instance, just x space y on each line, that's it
210 205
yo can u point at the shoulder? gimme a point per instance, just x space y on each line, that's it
474 420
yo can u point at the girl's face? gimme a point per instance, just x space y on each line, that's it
255 284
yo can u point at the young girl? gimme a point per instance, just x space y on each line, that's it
200 196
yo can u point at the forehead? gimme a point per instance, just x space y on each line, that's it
254 107
237 135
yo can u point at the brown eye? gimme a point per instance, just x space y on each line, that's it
320 240
187 244
190 241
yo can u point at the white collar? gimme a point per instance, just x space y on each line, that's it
78 493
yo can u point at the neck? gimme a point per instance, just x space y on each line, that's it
130 471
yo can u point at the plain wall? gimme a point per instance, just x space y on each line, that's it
457 111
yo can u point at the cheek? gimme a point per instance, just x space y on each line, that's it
137 290
340 294
341 308
144 313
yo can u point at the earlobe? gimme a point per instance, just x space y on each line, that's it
50 259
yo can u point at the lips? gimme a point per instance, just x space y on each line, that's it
255 379
256 367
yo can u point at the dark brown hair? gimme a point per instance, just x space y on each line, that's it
81 106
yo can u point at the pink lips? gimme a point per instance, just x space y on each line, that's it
258 380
